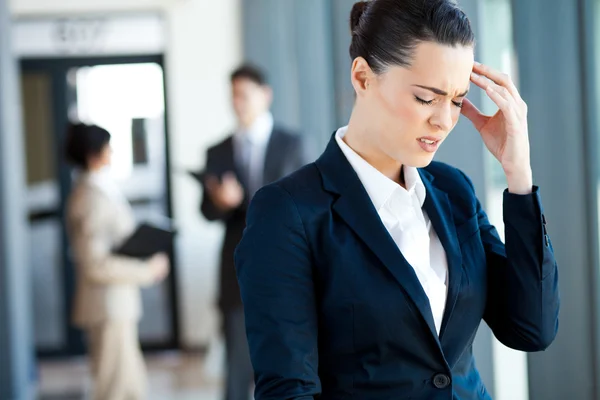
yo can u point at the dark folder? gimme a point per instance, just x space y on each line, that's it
200 176
147 241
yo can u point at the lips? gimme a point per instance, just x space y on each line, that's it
429 144
429 139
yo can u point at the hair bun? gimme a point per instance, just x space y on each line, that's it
358 10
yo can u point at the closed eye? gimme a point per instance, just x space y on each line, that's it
420 100
458 104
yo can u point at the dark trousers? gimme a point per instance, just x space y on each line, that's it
238 369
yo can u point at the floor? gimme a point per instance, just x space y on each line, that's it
172 376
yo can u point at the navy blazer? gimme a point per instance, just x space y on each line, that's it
334 311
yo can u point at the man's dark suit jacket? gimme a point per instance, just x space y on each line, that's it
284 155
334 311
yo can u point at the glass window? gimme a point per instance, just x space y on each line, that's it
497 50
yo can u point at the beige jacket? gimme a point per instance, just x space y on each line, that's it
98 219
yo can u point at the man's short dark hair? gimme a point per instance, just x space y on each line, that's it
250 72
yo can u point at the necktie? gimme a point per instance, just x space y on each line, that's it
250 171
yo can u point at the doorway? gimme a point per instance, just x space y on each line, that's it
125 95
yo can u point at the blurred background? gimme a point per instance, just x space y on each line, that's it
155 73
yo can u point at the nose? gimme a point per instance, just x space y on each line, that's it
442 118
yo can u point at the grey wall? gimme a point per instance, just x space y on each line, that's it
16 351
340 30
289 39
552 40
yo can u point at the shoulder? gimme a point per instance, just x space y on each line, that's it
221 145
87 200
82 193
285 134
304 184
302 189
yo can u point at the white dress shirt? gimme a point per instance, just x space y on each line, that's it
250 147
407 223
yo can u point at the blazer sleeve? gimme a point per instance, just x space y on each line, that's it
207 207
93 256
523 299
275 273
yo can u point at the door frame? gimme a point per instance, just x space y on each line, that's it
58 68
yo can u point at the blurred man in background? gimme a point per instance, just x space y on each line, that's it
257 153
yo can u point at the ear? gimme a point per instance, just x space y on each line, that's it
361 75
268 95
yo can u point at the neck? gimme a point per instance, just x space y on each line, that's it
92 168
360 139
244 125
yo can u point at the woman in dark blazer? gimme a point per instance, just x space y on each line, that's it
366 274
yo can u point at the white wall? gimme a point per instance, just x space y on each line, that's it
203 46
44 7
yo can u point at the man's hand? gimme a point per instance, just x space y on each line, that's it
226 195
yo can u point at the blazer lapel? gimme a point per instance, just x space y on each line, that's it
355 207
229 162
438 208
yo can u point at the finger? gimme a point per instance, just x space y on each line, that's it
486 84
212 183
503 104
470 111
498 78
229 178
483 82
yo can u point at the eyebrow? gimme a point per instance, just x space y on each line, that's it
440 91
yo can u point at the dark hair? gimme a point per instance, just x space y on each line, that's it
84 141
250 72
386 32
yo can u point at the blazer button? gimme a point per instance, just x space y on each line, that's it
441 381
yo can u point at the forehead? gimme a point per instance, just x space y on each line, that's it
244 84
440 66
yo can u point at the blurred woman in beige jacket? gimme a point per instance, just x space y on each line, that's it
107 302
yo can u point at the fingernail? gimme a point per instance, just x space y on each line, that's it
477 63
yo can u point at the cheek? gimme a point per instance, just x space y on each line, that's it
406 123
404 111
414 115
455 117
238 103
409 121
257 102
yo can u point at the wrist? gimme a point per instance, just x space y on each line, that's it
520 181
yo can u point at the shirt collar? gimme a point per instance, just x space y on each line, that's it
259 132
378 186
102 180
415 183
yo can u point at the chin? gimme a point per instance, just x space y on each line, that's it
419 161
